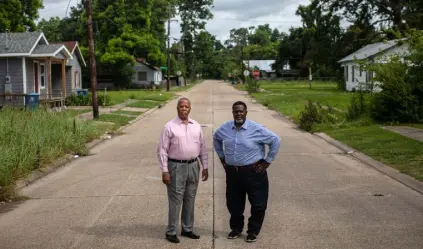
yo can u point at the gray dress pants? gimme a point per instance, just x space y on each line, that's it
181 192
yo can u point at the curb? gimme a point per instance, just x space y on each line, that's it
63 161
389 171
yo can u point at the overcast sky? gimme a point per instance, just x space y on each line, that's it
228 14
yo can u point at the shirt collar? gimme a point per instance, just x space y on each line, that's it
180 121
244 126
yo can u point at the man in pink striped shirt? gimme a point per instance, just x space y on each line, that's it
181 143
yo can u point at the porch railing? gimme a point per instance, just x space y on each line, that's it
12 100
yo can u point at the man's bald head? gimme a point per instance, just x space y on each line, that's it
183 99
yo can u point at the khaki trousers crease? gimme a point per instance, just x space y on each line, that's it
181 191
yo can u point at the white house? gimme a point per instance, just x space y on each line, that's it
377 52
146 74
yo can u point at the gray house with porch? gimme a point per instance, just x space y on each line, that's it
30 64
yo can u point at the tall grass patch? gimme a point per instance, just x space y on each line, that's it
29 140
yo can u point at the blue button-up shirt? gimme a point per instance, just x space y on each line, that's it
246 145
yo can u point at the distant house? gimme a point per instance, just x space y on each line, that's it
74 66
265 67
375 53
145 74
30 64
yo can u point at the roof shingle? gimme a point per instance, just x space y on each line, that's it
370 50
18 42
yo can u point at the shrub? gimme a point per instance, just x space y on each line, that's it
309 116
400 78
252 86
78 100
104 100
357 106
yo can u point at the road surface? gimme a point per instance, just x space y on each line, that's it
319 197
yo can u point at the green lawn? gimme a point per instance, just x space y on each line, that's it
145 104
402 153
132 113
364 135
119 120
118 97
290 98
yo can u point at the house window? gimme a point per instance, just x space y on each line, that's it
42 76
77 83
352 72
142 76
346 73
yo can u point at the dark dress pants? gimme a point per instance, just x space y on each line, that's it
241 182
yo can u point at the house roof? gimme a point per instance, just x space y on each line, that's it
49 51
370 50
72 46
20 44
144 62
32 44
263 65
46 49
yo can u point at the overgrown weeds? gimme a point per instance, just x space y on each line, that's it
29 140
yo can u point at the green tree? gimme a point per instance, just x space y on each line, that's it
19 15
194 14
52 29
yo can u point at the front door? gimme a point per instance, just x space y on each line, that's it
36 86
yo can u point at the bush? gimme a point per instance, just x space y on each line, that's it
310 115
397 101
357 107
77 100
104 100
400 78
252 86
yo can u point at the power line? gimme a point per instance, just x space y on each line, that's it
66 13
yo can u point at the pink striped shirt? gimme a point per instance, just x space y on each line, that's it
181 142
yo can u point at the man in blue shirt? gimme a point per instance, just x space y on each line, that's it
240 145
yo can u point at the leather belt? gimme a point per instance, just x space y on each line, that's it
240 168
182 161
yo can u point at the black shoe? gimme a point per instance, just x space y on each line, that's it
190 235
251 238
172 238
233 235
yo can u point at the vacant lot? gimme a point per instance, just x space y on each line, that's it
289 99
30 140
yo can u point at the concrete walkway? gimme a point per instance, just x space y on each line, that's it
411 132
319 198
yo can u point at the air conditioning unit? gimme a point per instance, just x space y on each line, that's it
8 80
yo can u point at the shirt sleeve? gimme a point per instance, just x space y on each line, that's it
271 139
163 148
203 150
218 143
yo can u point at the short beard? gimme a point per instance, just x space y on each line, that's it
239 121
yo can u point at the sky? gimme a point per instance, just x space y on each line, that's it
228 14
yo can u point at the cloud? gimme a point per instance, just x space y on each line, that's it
228 14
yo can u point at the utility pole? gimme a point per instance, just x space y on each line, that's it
168 52
93 69
242 64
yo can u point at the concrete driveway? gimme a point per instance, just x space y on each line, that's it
320 198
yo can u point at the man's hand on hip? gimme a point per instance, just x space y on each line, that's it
205 175
222 160
166 178
261 166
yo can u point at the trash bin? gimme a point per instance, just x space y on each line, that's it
83 92
32 100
